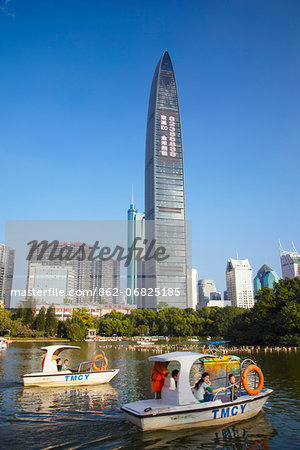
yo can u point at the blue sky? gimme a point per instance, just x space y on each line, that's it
76 78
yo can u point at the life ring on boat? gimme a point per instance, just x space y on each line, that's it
246 372
208 351
157 378
105 362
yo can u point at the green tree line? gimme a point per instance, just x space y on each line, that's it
274 320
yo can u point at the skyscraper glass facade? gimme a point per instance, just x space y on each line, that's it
164 190
136 224
266 277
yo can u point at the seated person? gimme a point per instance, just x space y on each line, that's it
175 375
203 390
233 387
65 365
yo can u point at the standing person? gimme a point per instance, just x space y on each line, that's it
233 387
203 390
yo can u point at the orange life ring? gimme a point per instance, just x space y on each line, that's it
208 351
157 378
100 356
246 372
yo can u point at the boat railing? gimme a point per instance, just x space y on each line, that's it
248 361
225 377
227 387
83 363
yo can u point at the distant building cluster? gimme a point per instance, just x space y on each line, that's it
73 281
209 296
97 311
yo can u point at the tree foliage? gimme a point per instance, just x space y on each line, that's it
75 332
40 320
51 322
274 320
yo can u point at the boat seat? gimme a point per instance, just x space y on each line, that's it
169 392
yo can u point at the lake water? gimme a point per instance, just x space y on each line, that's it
90 417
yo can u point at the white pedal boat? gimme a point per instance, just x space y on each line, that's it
178 408
3 343
88 373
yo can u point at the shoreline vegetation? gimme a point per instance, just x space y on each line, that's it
158 348
274 321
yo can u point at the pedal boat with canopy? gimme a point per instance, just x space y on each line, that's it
178 407
88 372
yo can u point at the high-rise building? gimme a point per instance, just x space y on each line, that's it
239 283
164 190
266 277
7 261
82 267
106 282
207 292
93 280
136 232
192 287
52 284
205 288
290 263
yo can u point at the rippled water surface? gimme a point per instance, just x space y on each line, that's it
90 417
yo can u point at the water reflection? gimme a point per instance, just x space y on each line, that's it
89 398
254 433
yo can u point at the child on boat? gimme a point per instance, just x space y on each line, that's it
65 365
203 390
233 387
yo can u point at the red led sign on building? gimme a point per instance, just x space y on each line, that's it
168 127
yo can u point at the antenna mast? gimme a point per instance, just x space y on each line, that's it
282 252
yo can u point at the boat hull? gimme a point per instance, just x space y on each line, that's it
69 378
207 415
224 360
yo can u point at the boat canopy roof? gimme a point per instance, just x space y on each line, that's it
216 342
54 348
50 350
179 356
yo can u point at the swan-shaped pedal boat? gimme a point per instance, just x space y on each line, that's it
88 373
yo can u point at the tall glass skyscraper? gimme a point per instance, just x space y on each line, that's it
164 191
136 230
266 277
